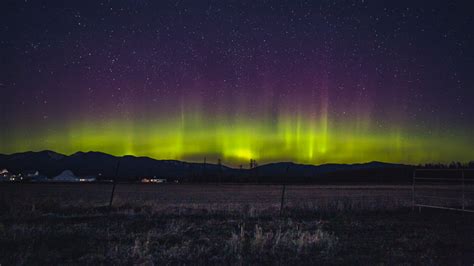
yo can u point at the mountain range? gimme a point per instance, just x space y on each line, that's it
131 168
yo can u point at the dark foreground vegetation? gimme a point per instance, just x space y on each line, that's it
49 232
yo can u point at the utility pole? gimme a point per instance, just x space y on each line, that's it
463 191
255 175
413 191
204 169
219 164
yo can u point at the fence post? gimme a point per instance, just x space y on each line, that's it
283 191
413 191
115 182
463 189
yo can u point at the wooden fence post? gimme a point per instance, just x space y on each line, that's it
114 183
283 191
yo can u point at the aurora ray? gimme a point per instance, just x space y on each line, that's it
187 82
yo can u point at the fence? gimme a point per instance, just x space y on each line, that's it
274 198
430 188
449 189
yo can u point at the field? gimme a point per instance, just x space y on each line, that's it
227 224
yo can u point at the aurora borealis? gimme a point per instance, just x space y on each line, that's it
304 81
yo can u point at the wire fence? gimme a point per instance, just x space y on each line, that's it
449 189
438 189
277 197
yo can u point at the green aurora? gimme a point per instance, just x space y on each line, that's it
297 139
309 82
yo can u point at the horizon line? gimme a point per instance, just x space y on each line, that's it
216 163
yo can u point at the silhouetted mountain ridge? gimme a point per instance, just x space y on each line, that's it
131 167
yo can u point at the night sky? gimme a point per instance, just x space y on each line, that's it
303 81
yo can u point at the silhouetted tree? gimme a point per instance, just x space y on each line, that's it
471 164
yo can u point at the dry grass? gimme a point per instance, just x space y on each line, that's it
132 235
349 227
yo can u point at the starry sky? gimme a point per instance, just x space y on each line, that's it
303 81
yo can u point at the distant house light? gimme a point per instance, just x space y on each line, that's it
87 179
153 180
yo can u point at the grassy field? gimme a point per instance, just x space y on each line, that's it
383 196
226 224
